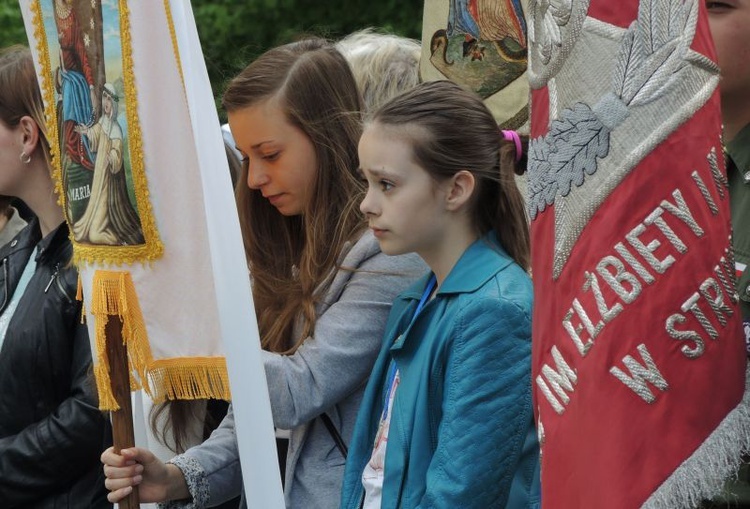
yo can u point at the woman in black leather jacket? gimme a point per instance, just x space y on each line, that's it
51 431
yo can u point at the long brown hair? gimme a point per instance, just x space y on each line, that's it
19 92
291 258
455 131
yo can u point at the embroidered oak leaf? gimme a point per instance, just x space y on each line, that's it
542 186
565 155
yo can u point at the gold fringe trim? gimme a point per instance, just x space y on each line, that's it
79 298
107 401
48 96
189 378
113 294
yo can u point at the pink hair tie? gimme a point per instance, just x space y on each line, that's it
513 136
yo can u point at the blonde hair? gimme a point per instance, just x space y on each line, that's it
384 65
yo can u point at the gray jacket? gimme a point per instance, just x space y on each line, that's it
327 373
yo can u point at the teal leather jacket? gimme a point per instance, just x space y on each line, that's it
462 430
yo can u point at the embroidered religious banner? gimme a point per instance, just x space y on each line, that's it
481 45
98 124
94 120
638 357
142 175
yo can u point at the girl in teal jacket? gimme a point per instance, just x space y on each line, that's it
447 419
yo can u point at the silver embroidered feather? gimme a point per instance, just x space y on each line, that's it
652 56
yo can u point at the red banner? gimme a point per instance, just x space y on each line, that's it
639 363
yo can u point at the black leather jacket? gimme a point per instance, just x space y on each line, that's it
51 430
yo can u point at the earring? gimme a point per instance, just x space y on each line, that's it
25 158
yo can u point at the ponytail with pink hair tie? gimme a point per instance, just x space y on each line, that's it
513 136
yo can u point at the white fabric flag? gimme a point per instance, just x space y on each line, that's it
143 179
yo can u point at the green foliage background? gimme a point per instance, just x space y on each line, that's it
233 32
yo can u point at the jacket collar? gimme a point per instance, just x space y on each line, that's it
30 237
739 151
479 263
49 245
26 239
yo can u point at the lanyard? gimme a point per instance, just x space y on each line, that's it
392 369
426 295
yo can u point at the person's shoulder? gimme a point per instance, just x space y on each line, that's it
509 291
13 226
25 238
361 248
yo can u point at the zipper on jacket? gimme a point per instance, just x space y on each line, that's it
52 278
5 284
63 291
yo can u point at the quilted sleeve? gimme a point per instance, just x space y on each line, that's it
487 409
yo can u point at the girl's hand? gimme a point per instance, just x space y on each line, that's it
156 481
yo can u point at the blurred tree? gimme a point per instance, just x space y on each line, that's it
233 32
11 24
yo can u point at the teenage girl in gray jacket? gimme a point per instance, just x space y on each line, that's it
321 287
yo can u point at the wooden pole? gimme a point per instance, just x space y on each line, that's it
123 435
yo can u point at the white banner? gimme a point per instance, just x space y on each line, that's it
143 178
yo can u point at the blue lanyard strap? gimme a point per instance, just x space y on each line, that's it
392 368
425 296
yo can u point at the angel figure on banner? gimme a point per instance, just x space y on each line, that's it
483 46
109 218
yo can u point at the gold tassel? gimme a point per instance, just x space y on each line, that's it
165 379
107 399
113 294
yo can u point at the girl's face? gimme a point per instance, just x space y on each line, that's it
281 159
404 206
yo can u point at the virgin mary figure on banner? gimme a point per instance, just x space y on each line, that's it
75 79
